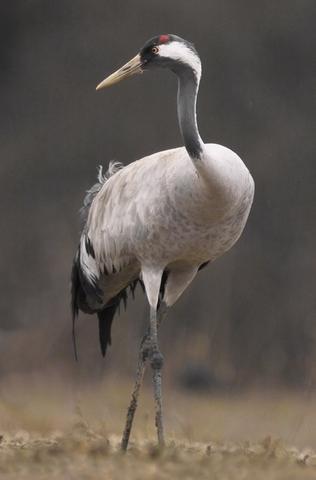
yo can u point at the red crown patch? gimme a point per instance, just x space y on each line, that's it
164 38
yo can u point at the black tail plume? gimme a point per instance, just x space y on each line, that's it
79 301
105 317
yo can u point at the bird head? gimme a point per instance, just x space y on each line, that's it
165 51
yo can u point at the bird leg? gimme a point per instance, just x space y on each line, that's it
156 361
144 351
141 366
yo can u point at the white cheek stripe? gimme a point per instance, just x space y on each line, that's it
180 52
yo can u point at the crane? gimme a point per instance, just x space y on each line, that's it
158 220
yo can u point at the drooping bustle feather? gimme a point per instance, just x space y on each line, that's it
84 288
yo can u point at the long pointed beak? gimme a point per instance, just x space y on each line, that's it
129 69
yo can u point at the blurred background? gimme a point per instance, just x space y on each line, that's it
249 320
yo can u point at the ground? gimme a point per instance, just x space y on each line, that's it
55 430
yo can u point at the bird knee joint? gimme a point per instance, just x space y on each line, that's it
156 361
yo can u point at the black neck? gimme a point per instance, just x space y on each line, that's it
187 94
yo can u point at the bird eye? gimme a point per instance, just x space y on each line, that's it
155 50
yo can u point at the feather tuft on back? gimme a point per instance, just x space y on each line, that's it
92 192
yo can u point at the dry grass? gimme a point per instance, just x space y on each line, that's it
47 434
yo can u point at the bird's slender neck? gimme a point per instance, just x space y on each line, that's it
188 86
